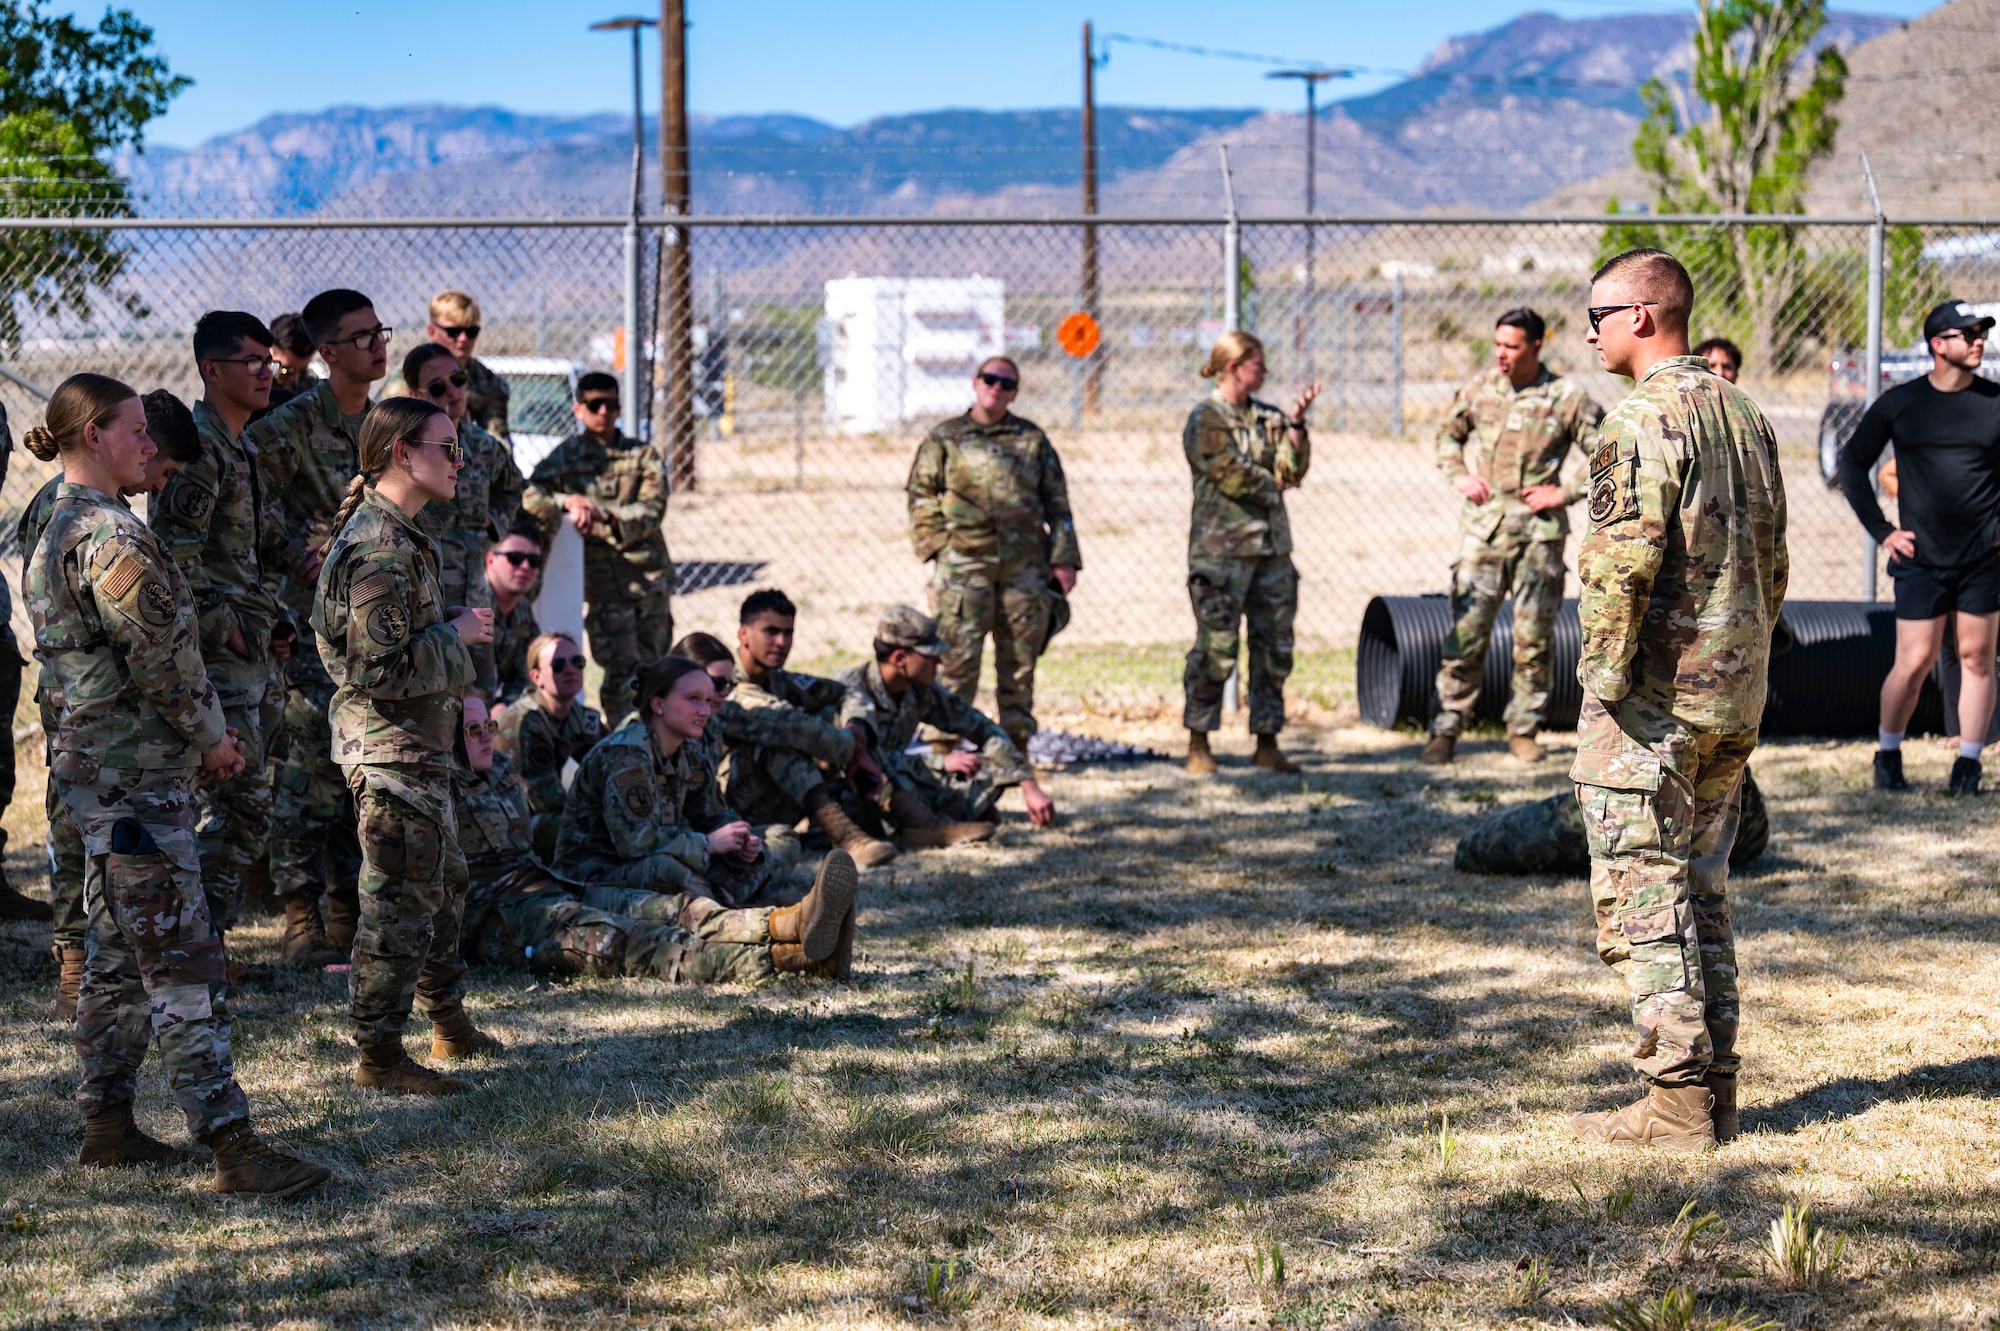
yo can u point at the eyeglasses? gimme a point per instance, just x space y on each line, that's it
520 557
599 404
250 364
436 387
1597 312
999 381
462 330
366 341
488 727
566 662
453 450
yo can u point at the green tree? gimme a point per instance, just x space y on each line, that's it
70 95
1737 138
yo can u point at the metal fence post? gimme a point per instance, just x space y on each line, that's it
1232 318
1877 261
1396 353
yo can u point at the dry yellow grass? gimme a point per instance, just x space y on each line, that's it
1186 1059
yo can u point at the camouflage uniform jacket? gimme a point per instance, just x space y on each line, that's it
398 667
1243 460
513 630
35 521
788 711
212 518
538 742
308 455
27 551
629 801
894 719
1521 437
1684 566
486 399
479 512
991 492
627 479
493 833
115 631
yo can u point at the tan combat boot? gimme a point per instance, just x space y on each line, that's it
1722 1085
1525 749
71 983
244 1162
1439 751
815 923
241 975
841 963
1270 758
921 829
453 1036
1200 759
1673 1118
868 852
305 937
385 1067
111 1139
342 907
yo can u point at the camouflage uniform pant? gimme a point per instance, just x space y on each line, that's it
413 887
235 823
1227 591
542 926
1661 828
630 625
959 798
975 598
310 798
153 968
770 785
714 904
66 857
10 698
1480 580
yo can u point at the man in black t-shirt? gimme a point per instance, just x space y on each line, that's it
1944 549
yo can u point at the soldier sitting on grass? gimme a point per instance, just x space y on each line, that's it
547 728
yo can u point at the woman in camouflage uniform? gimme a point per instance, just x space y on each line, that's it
115 631
400 658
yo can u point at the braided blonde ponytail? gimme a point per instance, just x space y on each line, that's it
351 500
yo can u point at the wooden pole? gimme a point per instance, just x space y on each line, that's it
678 317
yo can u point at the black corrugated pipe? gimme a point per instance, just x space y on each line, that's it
1826 675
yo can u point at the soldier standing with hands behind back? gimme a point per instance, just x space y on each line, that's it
990 509
1515 521
1683 573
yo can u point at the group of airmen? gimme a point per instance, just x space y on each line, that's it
320 651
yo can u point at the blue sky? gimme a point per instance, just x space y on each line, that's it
842 62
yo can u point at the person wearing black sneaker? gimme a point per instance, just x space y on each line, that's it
1944 548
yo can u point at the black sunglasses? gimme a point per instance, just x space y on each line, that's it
457 379
520 557
600 404
566 662
999 381
722 686
1597 312
467 330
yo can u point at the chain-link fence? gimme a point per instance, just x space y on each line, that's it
825 348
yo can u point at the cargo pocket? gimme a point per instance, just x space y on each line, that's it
1213 606
1657 939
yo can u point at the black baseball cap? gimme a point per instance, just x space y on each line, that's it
1954 314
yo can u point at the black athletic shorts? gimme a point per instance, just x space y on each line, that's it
1928 593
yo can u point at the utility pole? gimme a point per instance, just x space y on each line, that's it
1093 368
637 408
678 350
1312 78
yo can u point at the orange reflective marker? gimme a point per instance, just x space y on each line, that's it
1078 334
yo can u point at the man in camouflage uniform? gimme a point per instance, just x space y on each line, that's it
115 629
1244 454
309 449
520 913
292 352
455 325
13 905
614 489
547 728
1523 420
1547 836
897 693
989 507
211 517
1683 573
513 567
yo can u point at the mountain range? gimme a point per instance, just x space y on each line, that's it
1491 121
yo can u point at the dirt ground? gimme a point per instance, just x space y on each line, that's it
1236 1052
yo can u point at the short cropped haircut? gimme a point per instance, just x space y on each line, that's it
171 426
596 379
421 355
324 312
703 647
1526 320
885 650
526 528
289 332
1722 344
769 601
1664 278
220 332
454 309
